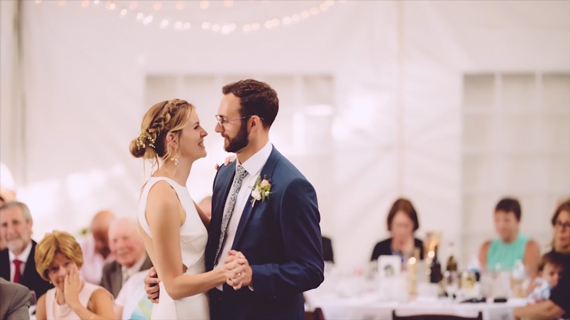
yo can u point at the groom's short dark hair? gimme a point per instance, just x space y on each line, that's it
256 99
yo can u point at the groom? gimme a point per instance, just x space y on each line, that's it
265 217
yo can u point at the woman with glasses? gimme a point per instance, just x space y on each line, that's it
558 304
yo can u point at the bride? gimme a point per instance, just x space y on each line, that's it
172 138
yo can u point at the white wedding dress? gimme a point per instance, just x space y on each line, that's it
193 239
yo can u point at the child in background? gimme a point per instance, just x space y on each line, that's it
550 269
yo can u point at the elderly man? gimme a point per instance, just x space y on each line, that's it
17 260
130 256
96 252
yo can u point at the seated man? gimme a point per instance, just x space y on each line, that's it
96 252
14 301
132 302
128 249
17 260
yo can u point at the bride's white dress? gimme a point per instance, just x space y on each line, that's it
193 239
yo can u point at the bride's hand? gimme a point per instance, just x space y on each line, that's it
228 160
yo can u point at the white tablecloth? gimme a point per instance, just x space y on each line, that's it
370 307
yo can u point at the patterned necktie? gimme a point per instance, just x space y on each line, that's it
236 186
17 271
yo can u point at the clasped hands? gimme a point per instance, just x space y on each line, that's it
237 269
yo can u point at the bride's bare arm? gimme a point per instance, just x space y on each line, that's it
163 216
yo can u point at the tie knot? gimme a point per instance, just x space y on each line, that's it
241 172
17 263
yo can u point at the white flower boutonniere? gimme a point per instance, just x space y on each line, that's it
261 190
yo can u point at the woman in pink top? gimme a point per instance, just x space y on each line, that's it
58 260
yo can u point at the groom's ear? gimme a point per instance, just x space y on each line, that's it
256 122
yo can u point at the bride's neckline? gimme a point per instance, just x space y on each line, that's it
178 184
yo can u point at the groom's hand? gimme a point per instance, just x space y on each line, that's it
151 282
239 271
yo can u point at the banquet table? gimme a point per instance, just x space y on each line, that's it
370 307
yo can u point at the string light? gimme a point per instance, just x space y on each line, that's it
223 28
147 20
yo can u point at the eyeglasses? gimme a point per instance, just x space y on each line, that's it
562 225
222 120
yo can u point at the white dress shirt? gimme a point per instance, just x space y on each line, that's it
129 272
253 167
22 257
93 262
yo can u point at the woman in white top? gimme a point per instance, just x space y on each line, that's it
58 260
173 228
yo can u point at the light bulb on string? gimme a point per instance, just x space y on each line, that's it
140 16
157 5
296 17
286 20
324 7
38 1
61 3
178 25
147 20
305 14
314 11
124 12
85 3
133 5
228 3
204 4
180 5
164 24
96 2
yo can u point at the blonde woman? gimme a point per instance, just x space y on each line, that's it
58 260
173 227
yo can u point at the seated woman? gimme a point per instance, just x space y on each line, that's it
58 260
511 245
558 304
402 222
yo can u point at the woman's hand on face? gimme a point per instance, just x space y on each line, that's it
71 287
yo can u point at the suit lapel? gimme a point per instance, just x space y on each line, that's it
266 171
30 268
5 265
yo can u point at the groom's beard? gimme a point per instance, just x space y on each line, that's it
240 141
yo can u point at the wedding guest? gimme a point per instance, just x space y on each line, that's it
511 245
15 301
96 251
17 260
132 302
402 222
58 260
130 256
558 304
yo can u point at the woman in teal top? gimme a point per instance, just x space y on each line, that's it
511 245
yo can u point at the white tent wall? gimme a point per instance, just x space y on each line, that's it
396 129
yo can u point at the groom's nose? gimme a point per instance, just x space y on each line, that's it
219 128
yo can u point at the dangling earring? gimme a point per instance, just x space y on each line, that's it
175 159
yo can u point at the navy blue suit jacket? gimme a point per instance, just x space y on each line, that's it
281 239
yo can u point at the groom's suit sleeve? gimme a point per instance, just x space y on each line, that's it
299 222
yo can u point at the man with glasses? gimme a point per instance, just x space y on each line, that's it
265 217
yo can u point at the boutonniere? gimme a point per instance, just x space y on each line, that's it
261 190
